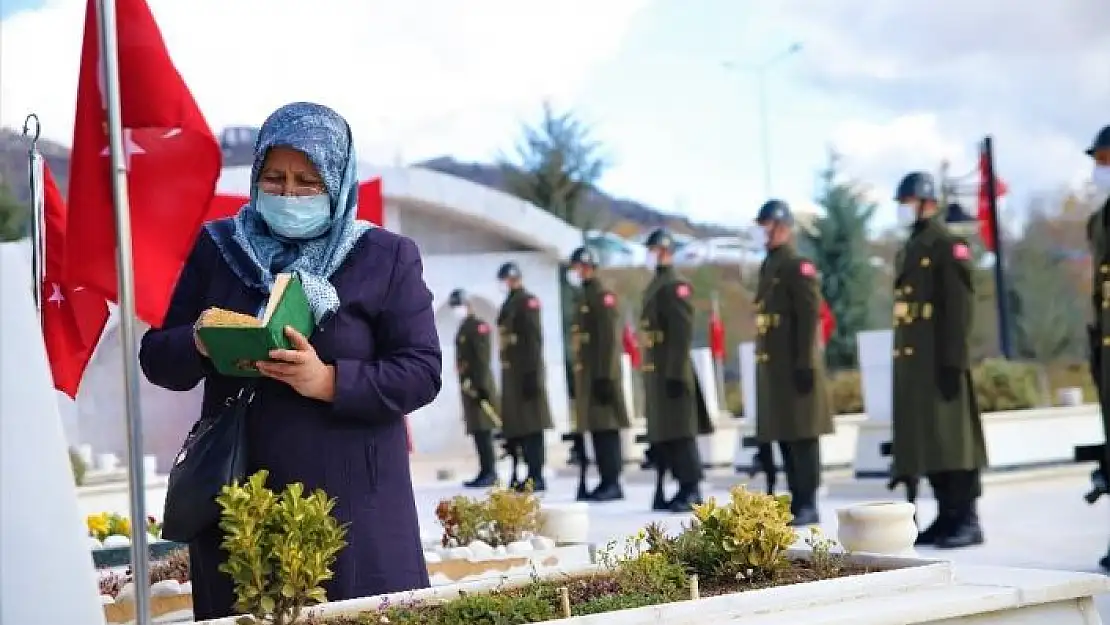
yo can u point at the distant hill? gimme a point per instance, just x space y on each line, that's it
625 217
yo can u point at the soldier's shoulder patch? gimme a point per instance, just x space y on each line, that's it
960 251
483 328
534 303
609 300
807 269
682 290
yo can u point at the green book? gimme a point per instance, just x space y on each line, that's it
235 341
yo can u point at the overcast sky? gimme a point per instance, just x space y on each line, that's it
894 85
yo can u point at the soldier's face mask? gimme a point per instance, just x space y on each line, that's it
652 260
504 287
1101 177
460 312
907 213
574 278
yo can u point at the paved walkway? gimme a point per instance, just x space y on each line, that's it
1042 524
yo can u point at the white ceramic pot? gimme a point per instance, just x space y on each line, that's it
882 527
565 523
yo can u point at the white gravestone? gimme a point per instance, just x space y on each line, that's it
877 377
46 574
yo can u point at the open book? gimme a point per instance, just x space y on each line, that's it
236 341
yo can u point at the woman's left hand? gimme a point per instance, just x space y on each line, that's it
300 368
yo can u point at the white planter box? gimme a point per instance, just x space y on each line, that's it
448 572
112 497
923 591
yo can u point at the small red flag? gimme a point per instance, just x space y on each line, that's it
631 346
986 219
828 322
173 162
716 337
73 318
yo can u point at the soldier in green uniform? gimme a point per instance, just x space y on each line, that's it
525 413
472 356
938 432
793 406
1098 237
599 402
673 402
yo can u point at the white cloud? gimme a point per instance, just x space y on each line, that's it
425 74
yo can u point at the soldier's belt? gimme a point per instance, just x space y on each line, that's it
1105 286
763 322
651 337
906 312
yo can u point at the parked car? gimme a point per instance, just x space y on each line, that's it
615 251
718 251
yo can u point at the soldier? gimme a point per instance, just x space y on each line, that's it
938 432
599 402
524 409
1098 233
793 405
472 354
674 405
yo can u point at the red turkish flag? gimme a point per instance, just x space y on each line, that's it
986 219
828 322
371 205
173 162
716 337
631 346
72 318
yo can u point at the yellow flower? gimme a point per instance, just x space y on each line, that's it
122 527
98 525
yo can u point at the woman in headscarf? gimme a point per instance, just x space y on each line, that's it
330 412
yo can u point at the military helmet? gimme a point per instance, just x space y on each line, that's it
457 298
1101 142
774 211
918 185
508 270
583 256
660 237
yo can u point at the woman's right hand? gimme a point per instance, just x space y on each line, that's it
196 336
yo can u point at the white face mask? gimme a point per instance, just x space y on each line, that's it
759 237
652 260
1101 178
907 215
460 312
573 278
503 287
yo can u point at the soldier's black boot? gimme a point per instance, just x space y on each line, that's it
487 464
607 491
688 496
936 530
965 532
484 480
659 501
1104 562
804 509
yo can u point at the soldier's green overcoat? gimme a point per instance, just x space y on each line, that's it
472 364
666 336
933 298
787 303
520 346
1097 238
596 349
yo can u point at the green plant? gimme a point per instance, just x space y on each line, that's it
826 562
846 392
280 548
463 520
1003 385
746 538
78 466
504 516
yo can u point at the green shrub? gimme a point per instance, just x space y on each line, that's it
78 466
504 516
846 392
280 548
1004 385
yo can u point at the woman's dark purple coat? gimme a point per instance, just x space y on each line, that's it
385 349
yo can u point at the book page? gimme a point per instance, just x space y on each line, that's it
276 293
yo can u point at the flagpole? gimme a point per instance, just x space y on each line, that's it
718 366
1001 295
109 57
38 213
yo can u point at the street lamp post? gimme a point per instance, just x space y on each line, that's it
764 111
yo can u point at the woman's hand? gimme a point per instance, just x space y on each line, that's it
300 368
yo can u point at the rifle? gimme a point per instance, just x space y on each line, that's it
1099 484
577 442
911 482
468 388
659 498
763 462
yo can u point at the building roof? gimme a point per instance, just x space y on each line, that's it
460 199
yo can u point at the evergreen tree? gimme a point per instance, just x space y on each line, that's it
840 250
556 167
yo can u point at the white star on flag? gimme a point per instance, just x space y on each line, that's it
56 296
129 147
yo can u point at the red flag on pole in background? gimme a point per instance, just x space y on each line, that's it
173 162
631 346
986 219
828 322
73 318
371 204
716 336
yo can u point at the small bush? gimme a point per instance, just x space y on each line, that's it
1003 385
280 547
846 392
78 466
504 516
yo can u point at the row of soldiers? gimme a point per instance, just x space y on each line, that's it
675 408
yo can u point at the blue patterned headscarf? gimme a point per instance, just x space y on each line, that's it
257 255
